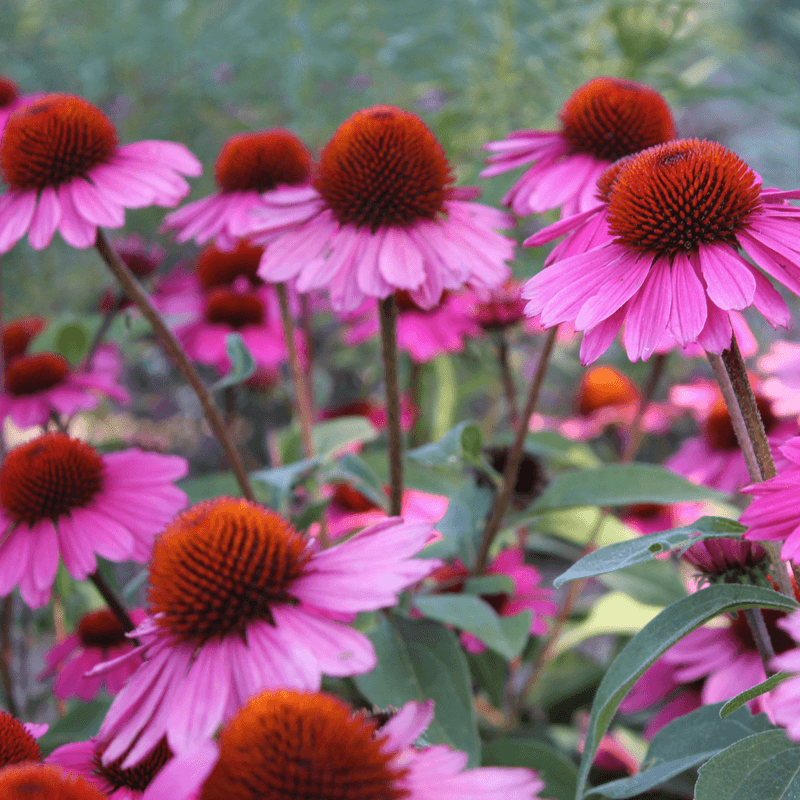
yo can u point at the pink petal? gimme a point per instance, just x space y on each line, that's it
45 219
729 278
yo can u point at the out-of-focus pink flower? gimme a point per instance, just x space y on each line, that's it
159 776
376 220
528 594
18 741
328 748
224 626
38 385
774 515
248 165
65 170
100 637
602 121
141 258
350 510
785 698
59 497
782 386
422 333
713 458
374 412
11 100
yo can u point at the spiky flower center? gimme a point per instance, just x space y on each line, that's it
53 140
16 744
718 428
604 386
27 375
8 92
134 779
302 746
45 782
262 161
217 267
49 477
609 118
236 309
19 333
220 565
678 196
101 629
383 168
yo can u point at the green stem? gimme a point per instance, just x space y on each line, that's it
387 309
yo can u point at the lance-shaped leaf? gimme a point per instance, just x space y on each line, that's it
243 364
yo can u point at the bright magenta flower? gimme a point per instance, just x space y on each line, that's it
678 214
382 215
18 741
248 165
604 120
239 602
59 497
331 751
786 697
65 170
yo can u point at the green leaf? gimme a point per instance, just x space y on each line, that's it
645 548
463 523
243 364
558 448
282 480
655 583
682 745
215 484
671 625
469 613
620 485
81 722
765 766
754 691
459 444
490 672
357 473
334 434
421 660
489 584
555 769
445 397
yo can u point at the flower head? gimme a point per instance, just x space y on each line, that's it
45 782
240 601
603 121
60 497
17 742
248 165
677 215
382 215
11 99
99 637
333 752
65 169
786 697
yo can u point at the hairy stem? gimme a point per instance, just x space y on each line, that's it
507 377
139 297
635 434
515 456
387 309
6 613
112 601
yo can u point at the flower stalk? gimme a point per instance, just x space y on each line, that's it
173 349
387 310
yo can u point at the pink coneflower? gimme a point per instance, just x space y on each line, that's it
11 100
350 510
18 741
66 170
19 333
678 214
382 215
714 458
774 515
239 601
40 385
229 297
423 333
159 776
374 412
500 308
45 782
782 365
604 120
100 637
786 697
528 594
60 497
248 165
329 750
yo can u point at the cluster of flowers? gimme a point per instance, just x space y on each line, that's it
245 614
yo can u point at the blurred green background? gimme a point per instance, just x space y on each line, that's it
197 71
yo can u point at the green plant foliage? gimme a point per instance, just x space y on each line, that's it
243 364
756 691
355 471
422 660
645 548
765 766
671 625
462 525
555 769
459 444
